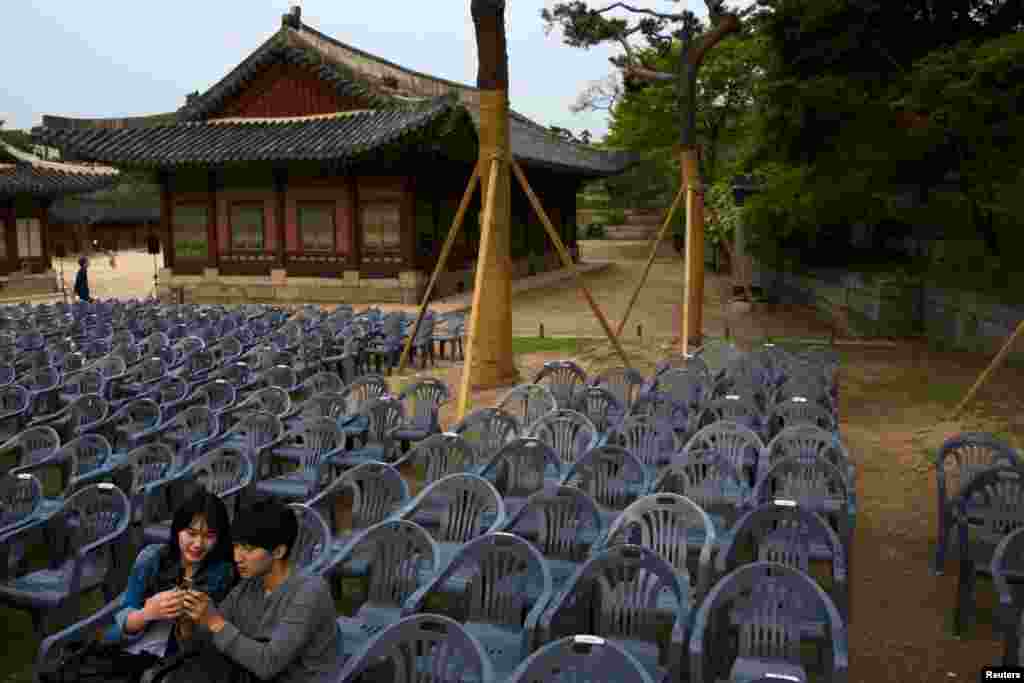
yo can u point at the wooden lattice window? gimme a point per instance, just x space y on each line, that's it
190 231
316 226
248 231
382 226
30 238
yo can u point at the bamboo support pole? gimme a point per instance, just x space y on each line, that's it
566 259
650 259
486 231
442 260
988 371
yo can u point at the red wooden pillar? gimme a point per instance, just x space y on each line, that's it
166 218
213 250
281 226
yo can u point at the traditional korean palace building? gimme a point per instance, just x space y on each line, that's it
317 172
28 186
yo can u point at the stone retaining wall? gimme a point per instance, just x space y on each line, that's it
281 288
894 306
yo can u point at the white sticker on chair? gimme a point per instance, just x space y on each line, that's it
785 502
588 640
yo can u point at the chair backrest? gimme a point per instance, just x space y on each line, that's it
256 430
92 515
384 413
85 382
423 399
30 446
503 572
662 522
312 547
320 437
734 407
650 439
20 498
814 483
569 522
323 382
150 463
439 455
421 649
563 378
224 470
615 591
87 453
88 409
272 400
459 507
799 410
601 407
377 490
687 386
487 430
363 389
519 468
568 433
581 659
993 504
220 394
281 376
527 403
807 442
783 532
661 406
735 442
709 480
401 554
609 474
623 382
14 398
770 601
964 455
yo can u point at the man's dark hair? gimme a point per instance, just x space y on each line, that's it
266 524
83 261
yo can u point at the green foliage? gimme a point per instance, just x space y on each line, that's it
18 139
616 217
568 345
721 215
595 231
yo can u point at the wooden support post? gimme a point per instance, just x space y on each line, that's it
693 297
442 260
988 371
650 259
486 233
566 259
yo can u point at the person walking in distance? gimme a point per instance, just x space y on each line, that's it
82 280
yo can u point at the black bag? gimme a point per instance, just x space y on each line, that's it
101 663
206 665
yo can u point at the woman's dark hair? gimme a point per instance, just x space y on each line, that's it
267 524
201 503
83 261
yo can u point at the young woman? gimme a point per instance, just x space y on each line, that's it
152 621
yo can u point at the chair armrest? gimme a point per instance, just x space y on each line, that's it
80 630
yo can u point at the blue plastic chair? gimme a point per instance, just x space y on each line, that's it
504 577
424 647
563 379
563 524
612 476
89 552
422 401
581 659
763 604
568 433
628 594
521 468
437 456
319 442
399 557
487 430
455 510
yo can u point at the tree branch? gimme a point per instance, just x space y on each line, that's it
727 23
639 10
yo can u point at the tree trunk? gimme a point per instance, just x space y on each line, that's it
489 22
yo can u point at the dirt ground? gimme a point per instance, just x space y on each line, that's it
894 403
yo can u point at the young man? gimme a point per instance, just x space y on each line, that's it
82 280
277 623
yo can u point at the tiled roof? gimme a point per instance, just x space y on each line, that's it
342 136
384 85
24 173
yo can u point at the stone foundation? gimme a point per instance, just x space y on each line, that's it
352 288
24 285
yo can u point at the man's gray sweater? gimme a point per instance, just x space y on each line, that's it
296 624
